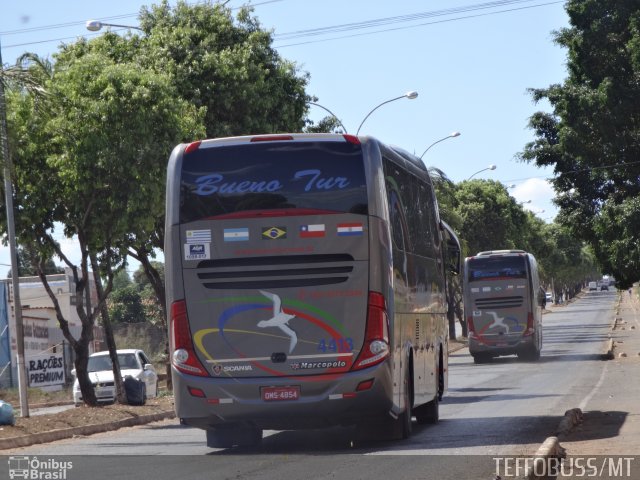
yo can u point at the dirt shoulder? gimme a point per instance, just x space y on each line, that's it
82 421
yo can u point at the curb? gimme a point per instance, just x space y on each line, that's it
571 418
549 449
608 354
53 435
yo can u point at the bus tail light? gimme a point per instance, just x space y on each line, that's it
530 330
352 139
183 355
376 338
192 147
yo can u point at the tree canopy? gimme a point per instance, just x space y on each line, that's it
91 155
590 138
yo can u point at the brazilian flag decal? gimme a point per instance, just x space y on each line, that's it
274 233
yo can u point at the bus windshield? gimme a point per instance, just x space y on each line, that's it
308 177
496 268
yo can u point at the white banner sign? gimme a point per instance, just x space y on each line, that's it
45 369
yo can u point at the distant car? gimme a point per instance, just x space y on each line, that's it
604 287
549 297
132 362
593 286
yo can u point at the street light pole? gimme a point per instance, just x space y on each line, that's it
410 95
95 25
332 114
451 135
490 167
11 233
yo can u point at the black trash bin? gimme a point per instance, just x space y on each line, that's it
135 391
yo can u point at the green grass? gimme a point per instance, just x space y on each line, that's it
35 395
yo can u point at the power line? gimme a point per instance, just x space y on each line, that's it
397 19
418 25
81 25
374 23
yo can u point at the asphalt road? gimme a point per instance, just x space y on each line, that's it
503 408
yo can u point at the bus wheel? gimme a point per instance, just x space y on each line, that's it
232 436
531 355
481 358
406 417
429 413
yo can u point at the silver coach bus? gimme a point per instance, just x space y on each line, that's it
305 275
503 305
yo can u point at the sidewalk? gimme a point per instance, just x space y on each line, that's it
611 416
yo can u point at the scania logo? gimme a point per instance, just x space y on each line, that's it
218 369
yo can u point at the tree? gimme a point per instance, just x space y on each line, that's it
590 138
94 166
125 305
228 68
491 218
226 65
121 280
28 264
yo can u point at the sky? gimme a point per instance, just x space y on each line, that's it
471 62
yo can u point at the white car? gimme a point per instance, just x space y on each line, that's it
132 362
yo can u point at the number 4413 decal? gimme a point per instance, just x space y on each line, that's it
340 345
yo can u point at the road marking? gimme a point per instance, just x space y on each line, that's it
585 400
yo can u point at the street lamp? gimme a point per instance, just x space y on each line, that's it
490 167
11 234
410 95
451 135
332 114
95 25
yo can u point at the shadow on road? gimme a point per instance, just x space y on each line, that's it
447 434
596 425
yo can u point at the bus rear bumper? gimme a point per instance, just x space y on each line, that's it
323 401
497 347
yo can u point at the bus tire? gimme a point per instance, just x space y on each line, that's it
481 358
406 417
429 413
234 436
529 355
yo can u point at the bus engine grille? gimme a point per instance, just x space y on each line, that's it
498 302
275 271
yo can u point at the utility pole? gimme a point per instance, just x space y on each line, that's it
11 233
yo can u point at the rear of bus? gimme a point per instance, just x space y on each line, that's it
501 305
275 320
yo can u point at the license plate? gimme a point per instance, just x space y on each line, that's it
279 394
104 392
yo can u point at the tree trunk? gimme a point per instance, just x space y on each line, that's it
86 386
158 288
121 396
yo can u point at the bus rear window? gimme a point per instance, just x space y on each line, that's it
311 176
495 268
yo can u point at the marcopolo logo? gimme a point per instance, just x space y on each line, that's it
313 365
38 469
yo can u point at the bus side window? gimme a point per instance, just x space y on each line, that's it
425 224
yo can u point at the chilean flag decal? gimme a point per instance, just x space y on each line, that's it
311 231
